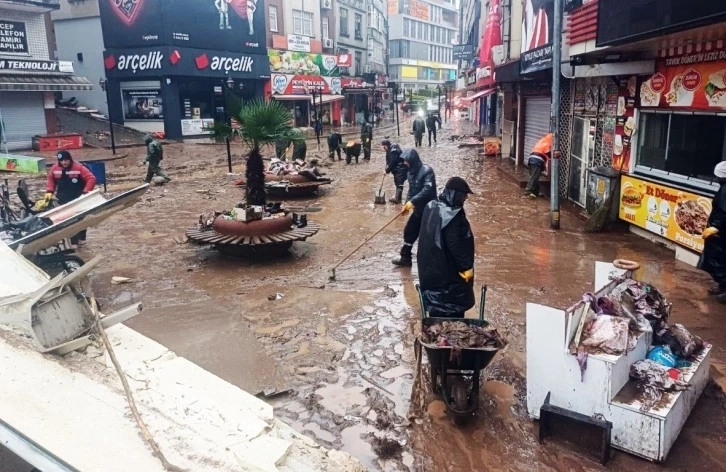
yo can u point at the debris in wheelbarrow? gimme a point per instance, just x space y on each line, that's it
458 334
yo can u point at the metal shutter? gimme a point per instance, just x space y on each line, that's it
536 122
23 116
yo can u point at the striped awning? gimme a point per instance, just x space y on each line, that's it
34 83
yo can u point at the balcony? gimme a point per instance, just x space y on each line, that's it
32 6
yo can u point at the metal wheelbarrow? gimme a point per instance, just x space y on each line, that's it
455 372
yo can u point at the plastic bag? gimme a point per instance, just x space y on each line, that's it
663 355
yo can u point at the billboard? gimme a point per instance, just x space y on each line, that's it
537 25
463 52
222 25
303 63
142 104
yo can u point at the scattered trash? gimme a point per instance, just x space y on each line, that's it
276 296
272 393
662 355
182 240
459 334
652 380
386 448
116 280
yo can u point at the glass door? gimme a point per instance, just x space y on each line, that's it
581 157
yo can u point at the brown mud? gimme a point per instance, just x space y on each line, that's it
345 348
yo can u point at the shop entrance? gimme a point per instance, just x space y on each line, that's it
581 157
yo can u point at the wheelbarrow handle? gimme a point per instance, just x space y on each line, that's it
482 303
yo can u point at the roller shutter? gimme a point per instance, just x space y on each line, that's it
23 117
536 122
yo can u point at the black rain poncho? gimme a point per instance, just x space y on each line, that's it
394 164
445 248
713 259
421 181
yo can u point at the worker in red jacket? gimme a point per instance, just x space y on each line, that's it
69 180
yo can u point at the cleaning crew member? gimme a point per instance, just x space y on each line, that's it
431 121
69 180
713 258
419 127
366 135
154 156
335 141
395 165
421 190
446 253
538 158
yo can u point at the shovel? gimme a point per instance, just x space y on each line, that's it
380 194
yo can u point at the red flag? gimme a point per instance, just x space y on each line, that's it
492 34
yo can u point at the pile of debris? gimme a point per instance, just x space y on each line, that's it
460 335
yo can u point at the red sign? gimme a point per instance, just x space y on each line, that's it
345 60
288 84
351 82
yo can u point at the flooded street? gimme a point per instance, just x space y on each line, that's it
336 358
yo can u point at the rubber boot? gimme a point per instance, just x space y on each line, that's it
397 198
717 290
404 260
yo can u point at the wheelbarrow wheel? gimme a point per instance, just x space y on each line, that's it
460 398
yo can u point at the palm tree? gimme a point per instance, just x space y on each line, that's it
261 123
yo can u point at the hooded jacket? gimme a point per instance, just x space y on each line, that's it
70 183
394 163
445 248
713 258
419 125
421 181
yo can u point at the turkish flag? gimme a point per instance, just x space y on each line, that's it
492 33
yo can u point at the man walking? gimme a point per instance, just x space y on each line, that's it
395 165
713 259
154 156
366 135
446 253
419 127
69 180
538 158
335 141
431 121
421 190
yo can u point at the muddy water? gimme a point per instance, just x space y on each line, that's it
345 348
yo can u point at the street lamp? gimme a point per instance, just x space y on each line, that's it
228 122
318 89
103 82
438 100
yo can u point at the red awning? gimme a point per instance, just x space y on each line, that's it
483 93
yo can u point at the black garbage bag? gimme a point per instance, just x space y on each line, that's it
31 224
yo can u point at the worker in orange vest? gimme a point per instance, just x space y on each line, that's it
538 158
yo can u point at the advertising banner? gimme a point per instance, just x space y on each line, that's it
693 81
303 63
142 104
673 214
418 10
290 84
296 42
13 37
195 127
624 124
223 25
345 60
537 25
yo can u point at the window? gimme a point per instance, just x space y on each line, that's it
273 18
325 32
681 146
358 62
358 26
302 22
344 22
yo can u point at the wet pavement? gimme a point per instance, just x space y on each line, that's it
336 358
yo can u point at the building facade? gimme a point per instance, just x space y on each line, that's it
29 73
421 35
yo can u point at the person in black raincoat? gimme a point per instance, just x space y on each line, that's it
446 253
713 259
421 190
366 135
418 130
335 142
395 165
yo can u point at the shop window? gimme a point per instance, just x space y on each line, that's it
684 147
344 22
325 32
273 19
358 26
302 22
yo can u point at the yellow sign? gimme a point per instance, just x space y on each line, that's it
673 214
409 72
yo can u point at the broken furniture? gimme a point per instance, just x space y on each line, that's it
605 390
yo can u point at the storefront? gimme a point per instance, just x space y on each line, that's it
670 136
173 71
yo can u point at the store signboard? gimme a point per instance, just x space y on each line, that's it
13 37
692 81
196 127
345 60
297 84
142 104
29 65
537 26
673 214
223 25
302 63
418 10
624 124
296 42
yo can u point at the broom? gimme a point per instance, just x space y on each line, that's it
599 218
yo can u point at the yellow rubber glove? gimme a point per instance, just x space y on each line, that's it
407 208
368 140
467 275
708 232
48 197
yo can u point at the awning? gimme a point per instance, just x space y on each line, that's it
483 93
29 83
330 98
300 97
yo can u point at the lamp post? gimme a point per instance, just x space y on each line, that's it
438 100
395 106
318 90
228 121
103 82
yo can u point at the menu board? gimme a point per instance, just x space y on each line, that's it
673 214
695 81
624 124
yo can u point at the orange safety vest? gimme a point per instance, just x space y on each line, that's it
543 148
